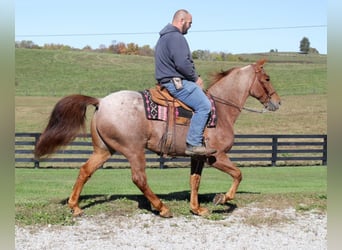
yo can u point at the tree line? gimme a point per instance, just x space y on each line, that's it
146 50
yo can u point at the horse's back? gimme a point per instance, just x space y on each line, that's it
124 102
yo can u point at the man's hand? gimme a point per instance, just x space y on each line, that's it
200 82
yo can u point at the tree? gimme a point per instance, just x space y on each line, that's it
87 48
201 54
132 49
304 45
118 48
145 51
26 44
102 48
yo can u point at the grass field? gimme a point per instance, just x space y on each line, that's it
305 114
41 194
44 76
59 73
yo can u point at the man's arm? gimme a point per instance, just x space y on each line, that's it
182 58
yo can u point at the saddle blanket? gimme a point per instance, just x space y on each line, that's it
155 111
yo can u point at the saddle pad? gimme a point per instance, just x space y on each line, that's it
155 111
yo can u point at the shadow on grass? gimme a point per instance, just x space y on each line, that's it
143 203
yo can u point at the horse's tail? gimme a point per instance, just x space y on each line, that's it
66 120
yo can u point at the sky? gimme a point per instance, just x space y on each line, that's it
228 26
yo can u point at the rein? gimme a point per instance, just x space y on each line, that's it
255 111
229 103
232 104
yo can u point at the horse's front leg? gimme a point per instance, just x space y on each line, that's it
224 164
95 161
197 164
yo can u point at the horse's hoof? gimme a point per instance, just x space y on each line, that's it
166 214
219 199
76 212
202 211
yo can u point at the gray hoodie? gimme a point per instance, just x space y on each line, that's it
172 56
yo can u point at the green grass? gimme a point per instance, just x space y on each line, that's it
59 73
305 114
44 76
41 194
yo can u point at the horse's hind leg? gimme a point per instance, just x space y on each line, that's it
96 160
139 178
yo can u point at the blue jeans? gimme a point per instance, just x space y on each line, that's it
193 96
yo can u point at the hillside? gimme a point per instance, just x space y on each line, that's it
59 73
44 76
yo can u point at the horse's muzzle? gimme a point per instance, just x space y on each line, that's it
272 106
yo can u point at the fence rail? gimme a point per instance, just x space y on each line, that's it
258 149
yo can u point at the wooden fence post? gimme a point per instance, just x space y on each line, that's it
274 149
325 150
161 162
36 162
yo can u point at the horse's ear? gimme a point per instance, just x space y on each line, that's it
261 62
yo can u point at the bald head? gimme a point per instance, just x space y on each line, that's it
182 19
180 14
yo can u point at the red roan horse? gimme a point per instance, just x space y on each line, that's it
120 124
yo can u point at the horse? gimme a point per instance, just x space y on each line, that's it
119 124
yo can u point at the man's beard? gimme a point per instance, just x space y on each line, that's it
184 29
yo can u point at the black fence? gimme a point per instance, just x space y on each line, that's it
250 149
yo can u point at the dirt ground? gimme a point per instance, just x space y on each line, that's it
285 229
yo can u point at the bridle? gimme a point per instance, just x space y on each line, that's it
268 95
240 108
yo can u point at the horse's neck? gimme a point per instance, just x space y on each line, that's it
233 90
234 87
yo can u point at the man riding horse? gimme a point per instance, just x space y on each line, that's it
175 70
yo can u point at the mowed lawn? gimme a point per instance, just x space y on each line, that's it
41 194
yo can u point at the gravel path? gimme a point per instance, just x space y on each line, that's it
148 231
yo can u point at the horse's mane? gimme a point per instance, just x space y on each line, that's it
215 77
